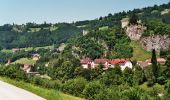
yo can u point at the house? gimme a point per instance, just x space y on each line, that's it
107 63
27 67
35 57
86 63
103 61
14 50
159 60
144 64
123 63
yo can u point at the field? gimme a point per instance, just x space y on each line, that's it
45 93
103 28
24 61
139 53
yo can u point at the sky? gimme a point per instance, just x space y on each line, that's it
53 11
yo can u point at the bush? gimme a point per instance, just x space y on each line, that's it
74 86
107 94
52 84
161 80
92 89
135 94
13 72
37 80
150 82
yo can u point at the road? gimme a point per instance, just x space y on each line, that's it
10 92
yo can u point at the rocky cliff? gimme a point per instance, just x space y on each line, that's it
156 42
135 31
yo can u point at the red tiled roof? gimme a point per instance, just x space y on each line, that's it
117 61
143 64
85 61
159 60
103 60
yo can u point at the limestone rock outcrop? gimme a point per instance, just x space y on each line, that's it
135 31
156 42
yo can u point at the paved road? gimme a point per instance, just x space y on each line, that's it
10 92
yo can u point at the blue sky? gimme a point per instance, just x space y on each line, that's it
22 11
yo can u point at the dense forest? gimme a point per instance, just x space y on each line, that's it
109 43
20 36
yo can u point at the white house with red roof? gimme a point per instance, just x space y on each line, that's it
107 63
123 63
148 62
86 63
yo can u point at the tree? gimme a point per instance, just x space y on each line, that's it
108 94
92 89
167 70
74 86
133 19
155 68
112 77
168 62
1 48
128 76
135 93
139 76
167 87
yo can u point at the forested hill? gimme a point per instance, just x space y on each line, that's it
161 13
32 34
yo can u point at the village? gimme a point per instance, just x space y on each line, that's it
88 63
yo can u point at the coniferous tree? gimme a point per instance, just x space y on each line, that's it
133 19
155 68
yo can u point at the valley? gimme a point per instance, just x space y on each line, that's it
121 56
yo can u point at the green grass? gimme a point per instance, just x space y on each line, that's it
139 53
24 61
53 28
45 47
36 48
7 50
34 29
103 28
48 94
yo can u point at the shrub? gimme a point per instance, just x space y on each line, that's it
161 80
107 94
37 80
135 94
13 72
74 86
51 84
92 89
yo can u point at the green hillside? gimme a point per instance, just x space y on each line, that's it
139 53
